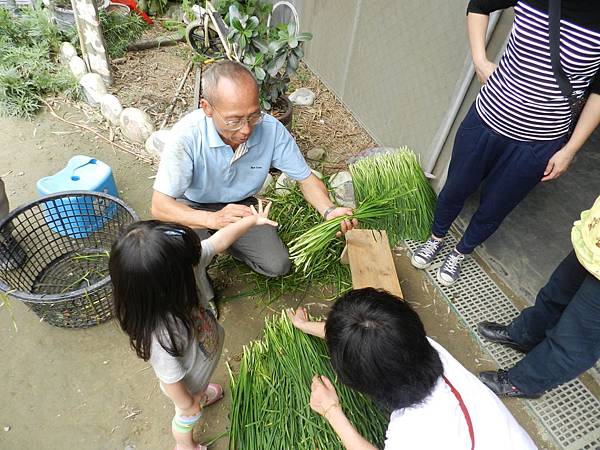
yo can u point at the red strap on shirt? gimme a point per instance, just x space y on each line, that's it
464 409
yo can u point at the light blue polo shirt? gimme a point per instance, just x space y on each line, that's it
196 163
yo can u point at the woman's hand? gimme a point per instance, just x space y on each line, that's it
484 69
262 215
299 318
323 397
558 164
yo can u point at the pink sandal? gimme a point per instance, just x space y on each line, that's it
213 393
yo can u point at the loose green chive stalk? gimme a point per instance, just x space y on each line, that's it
271 392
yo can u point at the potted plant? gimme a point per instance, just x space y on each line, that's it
271 53
62 15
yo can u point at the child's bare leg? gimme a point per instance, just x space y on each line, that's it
204 397
182 427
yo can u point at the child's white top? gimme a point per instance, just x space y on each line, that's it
202 351
439 423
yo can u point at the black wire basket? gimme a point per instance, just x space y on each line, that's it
54 256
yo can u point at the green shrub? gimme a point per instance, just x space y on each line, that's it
28 47
119 30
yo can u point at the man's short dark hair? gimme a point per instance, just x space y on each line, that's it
231 70
378 346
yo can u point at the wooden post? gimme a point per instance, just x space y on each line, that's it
93 47
371 262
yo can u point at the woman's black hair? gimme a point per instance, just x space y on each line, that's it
152 271
378 346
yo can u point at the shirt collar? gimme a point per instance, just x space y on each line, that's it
212 135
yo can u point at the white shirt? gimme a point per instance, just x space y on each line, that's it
439 422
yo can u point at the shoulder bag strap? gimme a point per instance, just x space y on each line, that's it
464 410
559 73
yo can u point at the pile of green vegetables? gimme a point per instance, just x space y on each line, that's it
391 194
28 46
295 216
313 250
270 395
398 171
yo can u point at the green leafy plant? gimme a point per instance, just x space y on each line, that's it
311 249
28 46
258 8
272 54
120 30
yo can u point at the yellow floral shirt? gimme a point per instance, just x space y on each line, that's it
585 236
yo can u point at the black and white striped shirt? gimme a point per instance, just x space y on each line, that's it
522 99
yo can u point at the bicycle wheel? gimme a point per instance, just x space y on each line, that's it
195 36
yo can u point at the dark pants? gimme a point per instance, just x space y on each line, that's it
260 248
505 168
563 328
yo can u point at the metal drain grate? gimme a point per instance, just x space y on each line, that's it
570 413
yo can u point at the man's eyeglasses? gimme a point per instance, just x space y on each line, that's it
237 124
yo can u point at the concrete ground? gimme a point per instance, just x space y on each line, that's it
86 389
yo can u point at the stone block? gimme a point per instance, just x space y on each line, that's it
136 125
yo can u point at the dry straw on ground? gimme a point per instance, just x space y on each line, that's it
327 123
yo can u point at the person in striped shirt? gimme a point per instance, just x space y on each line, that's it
517 131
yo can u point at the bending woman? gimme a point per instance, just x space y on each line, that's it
516 131
378 346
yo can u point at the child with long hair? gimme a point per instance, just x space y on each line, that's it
156 270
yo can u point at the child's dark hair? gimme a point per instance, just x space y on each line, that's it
152 270
378 346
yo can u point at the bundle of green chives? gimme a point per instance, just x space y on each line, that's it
295 216
312 250
271 392
399 171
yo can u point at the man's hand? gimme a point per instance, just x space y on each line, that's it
558 164
347 224
262 215
484 69
230 214
323 397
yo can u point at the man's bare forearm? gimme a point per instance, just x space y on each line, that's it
168 209
315 193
